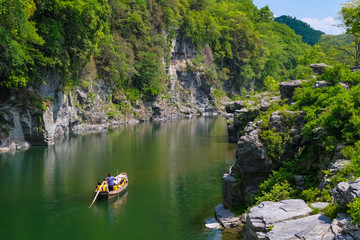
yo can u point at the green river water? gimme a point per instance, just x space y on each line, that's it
174 171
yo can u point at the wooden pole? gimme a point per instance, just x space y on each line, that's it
97 194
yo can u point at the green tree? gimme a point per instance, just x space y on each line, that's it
149 73
354 210
18 41
350 15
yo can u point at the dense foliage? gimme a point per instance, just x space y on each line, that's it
351 20
332 123
309 35
332 120
126 41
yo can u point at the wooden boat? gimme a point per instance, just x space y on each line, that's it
120 188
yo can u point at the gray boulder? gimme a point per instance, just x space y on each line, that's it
319 205
311 227
322 84
251 168
226 218
299 182
345 86
355 69
287 88
343 228
212 223
252 161
232 106
319 68
334 168
265 216
231 190
344 192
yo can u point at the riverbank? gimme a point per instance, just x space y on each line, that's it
294 182
42 112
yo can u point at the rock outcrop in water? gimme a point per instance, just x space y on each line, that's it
287 219
43 112
253 165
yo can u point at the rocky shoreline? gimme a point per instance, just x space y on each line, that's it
286 219
43 112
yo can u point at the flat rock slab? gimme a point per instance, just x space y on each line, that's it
268 213
212 223
319 205
227 218
307 228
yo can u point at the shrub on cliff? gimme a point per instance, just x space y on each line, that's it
354 210
280 191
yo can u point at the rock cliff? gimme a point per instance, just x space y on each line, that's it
253 161
287 219
44 112
253 165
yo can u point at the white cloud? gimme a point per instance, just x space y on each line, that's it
327 25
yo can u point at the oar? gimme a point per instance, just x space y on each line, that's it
97 194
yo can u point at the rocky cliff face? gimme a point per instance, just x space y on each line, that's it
190 89
288 219
43 112
253 165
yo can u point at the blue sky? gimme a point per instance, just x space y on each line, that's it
319 14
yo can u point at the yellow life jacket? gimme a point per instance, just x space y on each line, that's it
98 187
104 188
115 187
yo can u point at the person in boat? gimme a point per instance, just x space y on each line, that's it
110 180
98 186
104 188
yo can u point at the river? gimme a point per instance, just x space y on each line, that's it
174 170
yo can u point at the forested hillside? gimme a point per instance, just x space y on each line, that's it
129 41
310 136
309 35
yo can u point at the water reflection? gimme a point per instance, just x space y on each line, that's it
116 205
174 171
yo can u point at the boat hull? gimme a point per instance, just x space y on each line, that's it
104 195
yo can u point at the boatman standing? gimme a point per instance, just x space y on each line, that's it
110 180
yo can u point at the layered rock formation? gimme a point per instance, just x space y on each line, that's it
292 219
288 219
43 112
253 165
345 192
240 113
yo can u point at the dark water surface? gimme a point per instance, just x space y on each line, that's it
174 171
